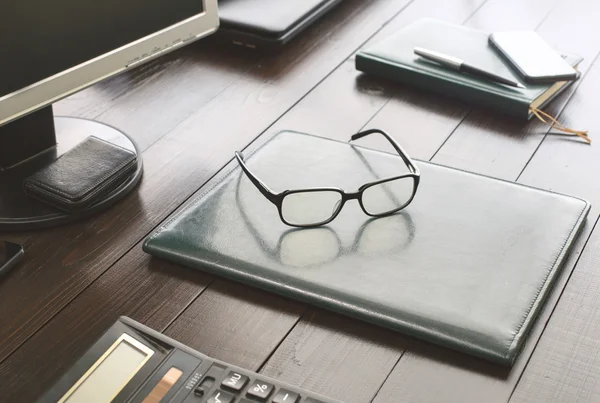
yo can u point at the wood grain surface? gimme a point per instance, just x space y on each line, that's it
176 166
191 109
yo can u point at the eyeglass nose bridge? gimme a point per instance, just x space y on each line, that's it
346 197
353 195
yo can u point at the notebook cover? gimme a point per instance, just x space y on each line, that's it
393 58
467 265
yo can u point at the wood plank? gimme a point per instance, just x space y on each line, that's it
337 107
350 116
563 164
67 260
429 130
420 121
306 121
498 146
477 367
216 303
452 377
431 374
235 313
561 368
193 324
158 293
35 343
565 364
191 79
438 116
337 357
180 82
347 99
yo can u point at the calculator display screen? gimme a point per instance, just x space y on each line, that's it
107 377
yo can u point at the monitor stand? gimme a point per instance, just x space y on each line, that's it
33 142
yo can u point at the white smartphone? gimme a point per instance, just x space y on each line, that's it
533 58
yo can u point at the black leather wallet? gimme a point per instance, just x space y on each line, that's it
83 175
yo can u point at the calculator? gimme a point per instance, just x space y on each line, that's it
132 363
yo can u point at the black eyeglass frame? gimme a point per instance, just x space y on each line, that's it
277 198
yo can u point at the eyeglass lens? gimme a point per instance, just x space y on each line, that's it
310 208
388 196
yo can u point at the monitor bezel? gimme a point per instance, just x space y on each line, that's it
51 89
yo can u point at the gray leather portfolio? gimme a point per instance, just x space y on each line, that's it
466 265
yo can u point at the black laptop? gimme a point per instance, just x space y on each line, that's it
268 23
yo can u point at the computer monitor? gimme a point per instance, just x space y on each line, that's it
51 49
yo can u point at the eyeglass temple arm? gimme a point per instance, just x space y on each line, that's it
264 189
407 160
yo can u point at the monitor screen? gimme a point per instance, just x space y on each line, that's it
41 38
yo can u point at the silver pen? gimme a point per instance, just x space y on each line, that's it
457 64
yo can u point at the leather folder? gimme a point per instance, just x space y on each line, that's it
466 265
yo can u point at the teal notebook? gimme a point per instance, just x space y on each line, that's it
466 265
393 58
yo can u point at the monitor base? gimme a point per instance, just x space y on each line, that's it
20 212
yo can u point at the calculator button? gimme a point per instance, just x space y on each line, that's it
260 390
219 396
204 386
285 396
235 381
199 391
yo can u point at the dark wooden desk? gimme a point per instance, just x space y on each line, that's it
191 109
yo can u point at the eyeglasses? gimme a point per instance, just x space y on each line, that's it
317 206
